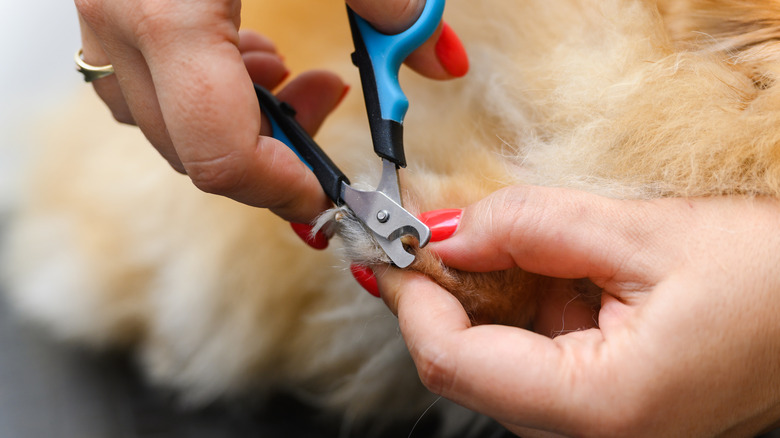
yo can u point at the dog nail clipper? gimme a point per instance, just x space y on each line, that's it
378 57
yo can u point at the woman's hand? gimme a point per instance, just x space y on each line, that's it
688 336
184 75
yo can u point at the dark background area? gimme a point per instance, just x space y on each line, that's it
50 389
54 390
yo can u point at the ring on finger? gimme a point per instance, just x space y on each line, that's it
92 72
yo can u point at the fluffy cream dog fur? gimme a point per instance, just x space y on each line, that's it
625 98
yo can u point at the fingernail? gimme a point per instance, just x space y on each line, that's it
366 278
343 94
451 53
443 223
284 76
317 241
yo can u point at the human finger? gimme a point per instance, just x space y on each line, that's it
204 94
203 102
265 68
261 59
390 16
515 376
554 232
441 57
249 40
295 188
314 94
107 88
118 27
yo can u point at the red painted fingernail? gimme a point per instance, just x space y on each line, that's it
284 76
451 52
343 94
366 278
443 223
317 241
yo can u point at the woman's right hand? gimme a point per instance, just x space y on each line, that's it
184 75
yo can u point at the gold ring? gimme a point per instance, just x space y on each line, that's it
91 72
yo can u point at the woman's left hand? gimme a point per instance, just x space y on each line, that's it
688 336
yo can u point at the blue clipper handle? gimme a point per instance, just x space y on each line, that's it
287 130
379 57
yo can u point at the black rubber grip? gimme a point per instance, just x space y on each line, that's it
283 116
387 135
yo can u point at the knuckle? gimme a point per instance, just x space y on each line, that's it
156 21
390 16
222 175
405 12
436 369
151 20
159 22
406 9
509 213
90 10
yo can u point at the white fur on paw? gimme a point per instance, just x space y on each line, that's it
359 244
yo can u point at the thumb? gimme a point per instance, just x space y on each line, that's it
441 57
554 232
388 16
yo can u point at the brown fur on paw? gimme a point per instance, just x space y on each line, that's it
503 297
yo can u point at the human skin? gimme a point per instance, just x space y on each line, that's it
184 75
687 339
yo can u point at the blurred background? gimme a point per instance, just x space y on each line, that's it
37 40
51 390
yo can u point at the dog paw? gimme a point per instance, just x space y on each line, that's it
506 297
